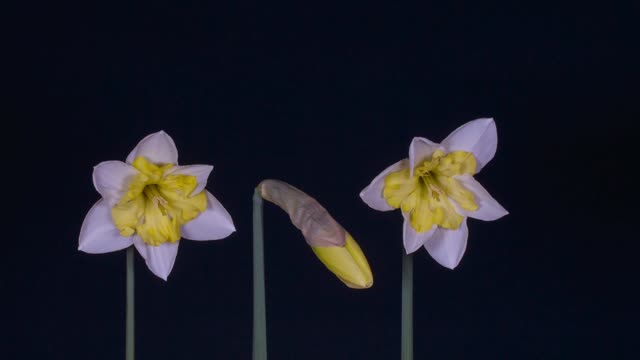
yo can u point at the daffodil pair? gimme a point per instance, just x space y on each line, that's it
151 202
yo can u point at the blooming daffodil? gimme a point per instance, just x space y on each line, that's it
151 202
436 191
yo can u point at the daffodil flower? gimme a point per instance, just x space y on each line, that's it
151 202
331 243
436 191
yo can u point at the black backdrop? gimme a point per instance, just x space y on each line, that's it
325 97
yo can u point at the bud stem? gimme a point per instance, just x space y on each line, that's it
259 311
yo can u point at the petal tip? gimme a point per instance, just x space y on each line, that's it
161 273
410 248
229 225
365 197
502 213
162 133
409 251
450 264
484 121
422 139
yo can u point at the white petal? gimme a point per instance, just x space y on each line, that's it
479 137
212 224
372 194
420 149
159 259
112 178
488 208
412 239
98 233
201 172
448 246
158 148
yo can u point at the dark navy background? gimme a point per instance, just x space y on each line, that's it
325 97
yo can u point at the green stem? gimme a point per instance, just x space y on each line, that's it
259 311
407 307
130 350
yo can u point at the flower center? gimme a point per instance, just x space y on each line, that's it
157 203
427 195
152 194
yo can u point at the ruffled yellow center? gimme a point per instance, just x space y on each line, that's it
426 196
157 203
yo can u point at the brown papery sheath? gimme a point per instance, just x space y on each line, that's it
317 226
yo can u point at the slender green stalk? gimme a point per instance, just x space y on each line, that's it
130 349
407 306
259 311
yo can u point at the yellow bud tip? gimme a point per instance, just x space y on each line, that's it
347 262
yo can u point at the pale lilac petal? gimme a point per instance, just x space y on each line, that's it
372 194
412 239
479 137
159 259
419 150
201 173
447 246
158 148
488 208
98 233
112 178
212 224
